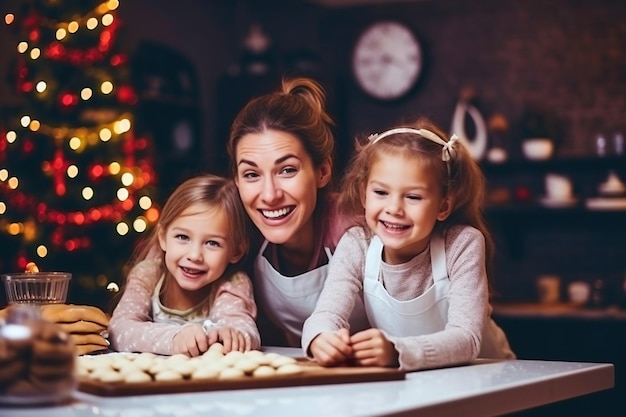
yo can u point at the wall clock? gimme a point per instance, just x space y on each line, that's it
387 60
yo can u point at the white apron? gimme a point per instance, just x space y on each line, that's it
289 301
425 314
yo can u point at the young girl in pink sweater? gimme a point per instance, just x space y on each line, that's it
418 261
194 294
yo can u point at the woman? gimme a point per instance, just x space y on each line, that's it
281 151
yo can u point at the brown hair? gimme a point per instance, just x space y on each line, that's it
297 108
461 178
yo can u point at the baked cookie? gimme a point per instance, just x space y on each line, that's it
83 326
263 371
205 372
289 369
168 375
89 339
137 377
90 349
70 313
229 373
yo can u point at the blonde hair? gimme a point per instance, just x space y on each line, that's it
460 177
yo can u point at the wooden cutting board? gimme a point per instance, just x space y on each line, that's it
312 374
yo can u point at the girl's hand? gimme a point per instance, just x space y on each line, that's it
371 348
331 348
190 340
231 338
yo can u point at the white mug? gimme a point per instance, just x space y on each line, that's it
579 292
558 187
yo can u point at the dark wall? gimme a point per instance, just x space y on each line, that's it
568 57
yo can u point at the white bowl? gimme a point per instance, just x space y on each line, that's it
537 149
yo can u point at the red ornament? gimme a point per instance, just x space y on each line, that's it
118 59
27 86
60 189
57 237
105 40
96 171
70 245
21 262
68 100
79 218
28 146
107 212
95 214
60 218
55 50
126 94
34 35
127 204
522 193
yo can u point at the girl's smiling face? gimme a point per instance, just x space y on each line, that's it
198 248
278 186
403 201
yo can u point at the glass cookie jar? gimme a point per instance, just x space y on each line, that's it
37 358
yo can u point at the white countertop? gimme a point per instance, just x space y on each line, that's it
487 388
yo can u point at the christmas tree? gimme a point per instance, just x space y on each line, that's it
76 185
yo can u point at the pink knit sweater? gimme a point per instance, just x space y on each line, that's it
133 327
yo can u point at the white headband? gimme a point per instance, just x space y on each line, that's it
448 147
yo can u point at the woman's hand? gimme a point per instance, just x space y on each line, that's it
331 348
371 348
190 340
231 338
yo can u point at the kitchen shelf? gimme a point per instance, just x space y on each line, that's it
532 209
557 311
586 174
557 164
517 215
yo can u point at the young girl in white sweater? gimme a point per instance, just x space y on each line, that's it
419 259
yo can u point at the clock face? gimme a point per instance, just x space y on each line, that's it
387 60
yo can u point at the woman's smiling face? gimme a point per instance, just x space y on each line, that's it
278 185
